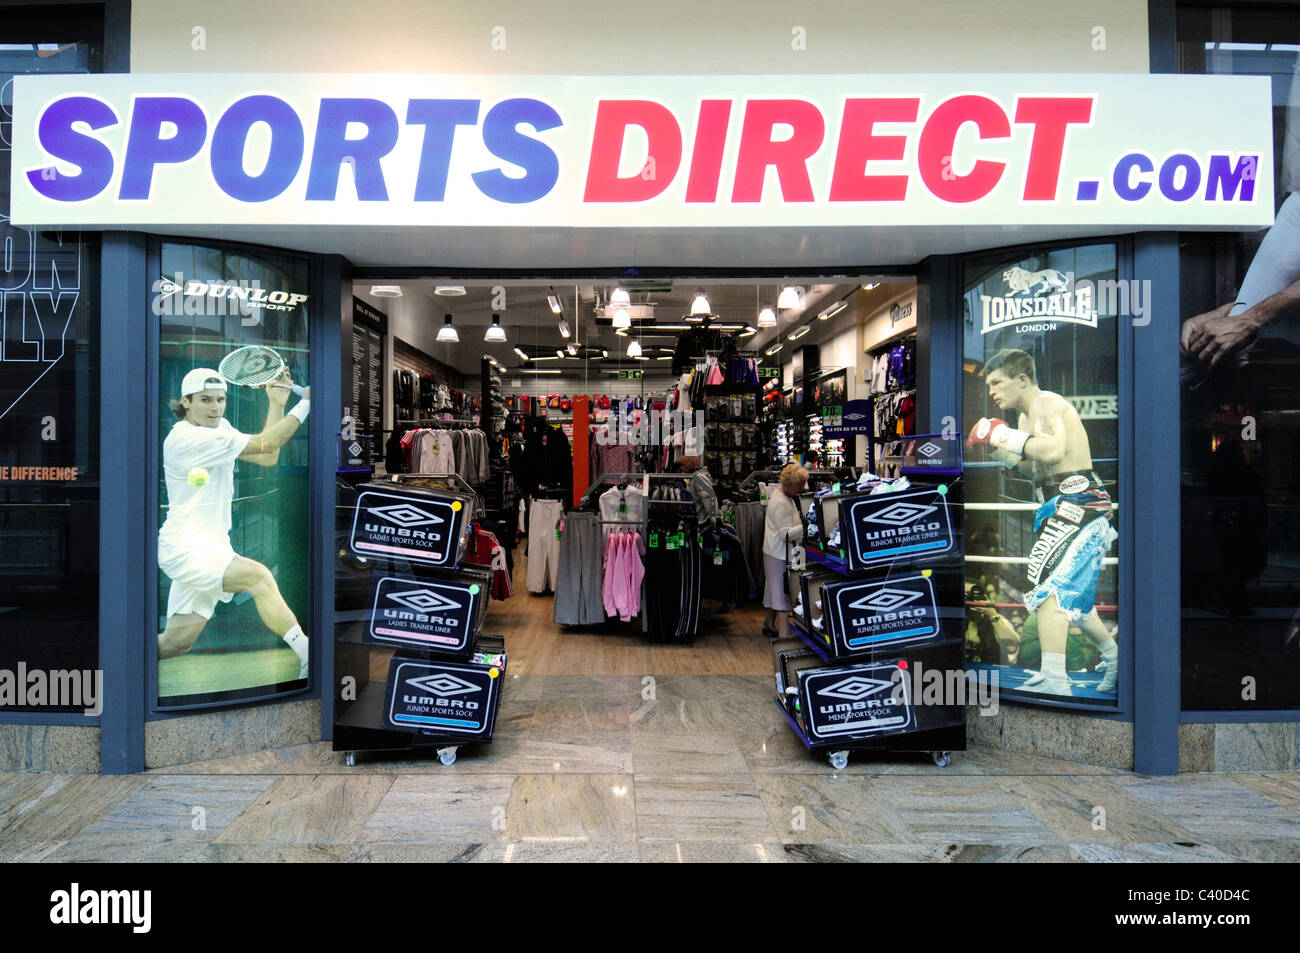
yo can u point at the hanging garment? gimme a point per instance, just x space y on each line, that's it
621 504
578 592
483 549
544 519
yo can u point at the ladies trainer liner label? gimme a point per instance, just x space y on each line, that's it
890 526
441 698
416 527
417 612
895 612
856 701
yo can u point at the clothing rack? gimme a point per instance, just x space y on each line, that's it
434 423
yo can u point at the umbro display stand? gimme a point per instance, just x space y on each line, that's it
882 605
413 669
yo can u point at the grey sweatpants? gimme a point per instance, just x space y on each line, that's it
578 590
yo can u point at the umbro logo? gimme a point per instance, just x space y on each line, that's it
900 514
442 684
405 515
855 416
355 449
857 687
886 600
424 600
929 449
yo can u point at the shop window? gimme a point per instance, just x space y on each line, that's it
1240 344
49 422
233 474
1041 416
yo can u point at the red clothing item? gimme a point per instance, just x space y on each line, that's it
485 550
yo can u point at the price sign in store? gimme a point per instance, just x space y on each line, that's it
833 416
630 375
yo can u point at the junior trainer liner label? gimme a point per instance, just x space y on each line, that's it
441 698
900 611
857 700
416 527
424 613
891 526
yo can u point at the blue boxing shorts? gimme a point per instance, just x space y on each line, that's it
1072 534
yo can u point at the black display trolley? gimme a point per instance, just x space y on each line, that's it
402 589
882 601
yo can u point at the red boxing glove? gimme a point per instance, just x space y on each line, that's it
998 434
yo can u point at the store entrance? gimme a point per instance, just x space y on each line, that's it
616 444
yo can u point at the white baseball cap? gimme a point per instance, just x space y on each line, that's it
201 379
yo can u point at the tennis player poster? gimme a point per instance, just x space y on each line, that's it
233 487
1041 418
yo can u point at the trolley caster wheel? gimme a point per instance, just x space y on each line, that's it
942 758
350 759
447 755
839 760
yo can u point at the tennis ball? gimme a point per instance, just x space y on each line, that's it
198 477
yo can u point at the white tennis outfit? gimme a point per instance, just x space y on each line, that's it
194 543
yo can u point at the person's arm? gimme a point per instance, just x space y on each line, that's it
264 448
1216 335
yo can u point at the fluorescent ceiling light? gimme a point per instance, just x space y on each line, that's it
495 332
521 354
449 291
789 297
554 302
666 357
833 310
767 318
572 350
634 348
871 285
727 327
447 334
564 328
619 299
548 357
700 304
796 335
386 291
540 370
774 348
667 327
749 329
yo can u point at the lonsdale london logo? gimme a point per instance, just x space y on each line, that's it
1038 298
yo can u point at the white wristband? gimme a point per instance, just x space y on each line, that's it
300 410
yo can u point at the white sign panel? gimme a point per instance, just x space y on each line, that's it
642 151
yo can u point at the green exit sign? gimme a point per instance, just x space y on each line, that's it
769 372
630 375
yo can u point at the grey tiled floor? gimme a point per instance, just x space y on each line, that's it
586 769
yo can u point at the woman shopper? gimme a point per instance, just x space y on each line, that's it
782 524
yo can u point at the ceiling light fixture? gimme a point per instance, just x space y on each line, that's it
554 302
634 348
621 332
797 334
564 328
619 299
495 332
573 350
449 291
871 285
774 348
789 297
767 318
521 354
833 310
622 318
386 291
749 330
540 370
700 304
447 334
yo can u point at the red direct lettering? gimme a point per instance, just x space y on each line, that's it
613 116
789 156
706 155
859 145
934 151
1049 115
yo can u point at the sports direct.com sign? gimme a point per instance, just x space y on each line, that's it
642 151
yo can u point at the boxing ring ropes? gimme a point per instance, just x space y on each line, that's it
1013 507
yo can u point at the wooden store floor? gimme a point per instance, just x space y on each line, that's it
729 643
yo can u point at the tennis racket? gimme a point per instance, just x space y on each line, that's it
253 366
